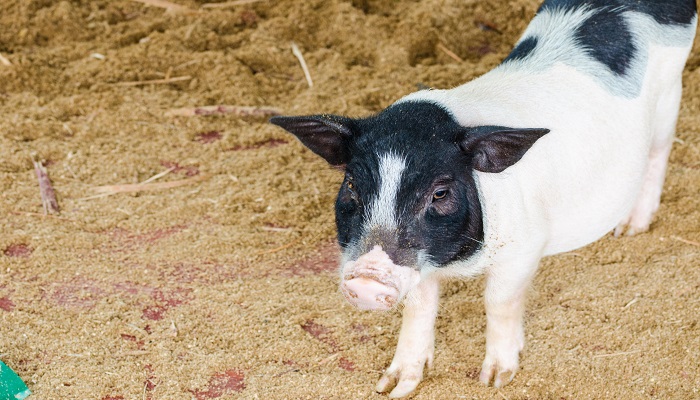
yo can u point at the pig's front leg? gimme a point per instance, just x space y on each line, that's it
416 341
505 296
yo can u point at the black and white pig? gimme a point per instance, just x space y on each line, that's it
563 142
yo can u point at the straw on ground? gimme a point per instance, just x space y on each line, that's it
142 187
48 195
110 190
622 353
167 5
240 111
4 61
230 4
449 52
686 241
155 81
300 57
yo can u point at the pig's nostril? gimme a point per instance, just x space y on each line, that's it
387 301
350 294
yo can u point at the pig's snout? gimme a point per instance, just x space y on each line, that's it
368 294
374 282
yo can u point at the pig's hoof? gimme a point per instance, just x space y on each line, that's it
402 384
632 227
403 379
638 221
501 376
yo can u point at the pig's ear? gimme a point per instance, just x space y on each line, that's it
325 135
495 148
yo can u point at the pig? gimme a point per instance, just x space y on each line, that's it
564 141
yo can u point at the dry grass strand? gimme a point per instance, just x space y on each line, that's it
4 61
167 5
300 57
230 4
48 195
143 187
155 81
449 52
240 111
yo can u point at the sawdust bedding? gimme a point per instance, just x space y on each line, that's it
223 285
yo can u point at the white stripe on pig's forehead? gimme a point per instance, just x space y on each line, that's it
382 209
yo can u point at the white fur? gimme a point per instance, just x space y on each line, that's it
381 213
602 165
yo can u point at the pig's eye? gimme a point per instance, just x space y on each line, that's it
351 193
440 194
351 187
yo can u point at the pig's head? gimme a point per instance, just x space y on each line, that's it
409 200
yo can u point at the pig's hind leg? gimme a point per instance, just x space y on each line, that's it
649 198
416 344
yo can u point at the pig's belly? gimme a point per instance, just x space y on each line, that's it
587 215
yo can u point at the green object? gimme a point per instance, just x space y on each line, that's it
11 386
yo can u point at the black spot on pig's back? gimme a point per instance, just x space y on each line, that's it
523 49
607 37
678 12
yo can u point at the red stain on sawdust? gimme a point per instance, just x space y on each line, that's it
269 143
208 137
132 338
18 250
166 300
206 272
221 384
125 240
83 293
151 381
188 170
320 333
76 293
113 398
6 304
161 299
361 333
324 259
346 364
131 288
324 335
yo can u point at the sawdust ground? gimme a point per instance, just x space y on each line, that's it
225 287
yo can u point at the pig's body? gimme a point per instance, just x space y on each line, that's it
564 141
586 176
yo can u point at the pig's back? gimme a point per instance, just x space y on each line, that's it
613 82
609 40
604 105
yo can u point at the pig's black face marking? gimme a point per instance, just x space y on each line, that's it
353 198
441 211
522 50
409 178
435 208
